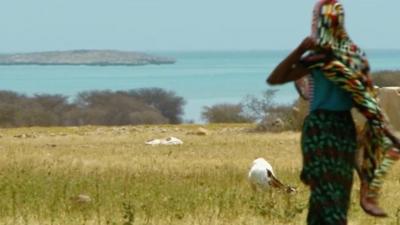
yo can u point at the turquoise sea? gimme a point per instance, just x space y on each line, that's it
202 78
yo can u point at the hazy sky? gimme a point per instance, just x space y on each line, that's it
154 25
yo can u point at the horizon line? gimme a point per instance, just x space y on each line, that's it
176 50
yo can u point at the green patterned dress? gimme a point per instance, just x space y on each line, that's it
328 146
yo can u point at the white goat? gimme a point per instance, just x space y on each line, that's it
165 141
261 177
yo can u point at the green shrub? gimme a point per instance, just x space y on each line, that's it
116 108
166 102
268 115
142 106
284 117
225 113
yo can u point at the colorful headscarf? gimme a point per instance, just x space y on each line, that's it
348 67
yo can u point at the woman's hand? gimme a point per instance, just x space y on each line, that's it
308 43
290 68
321 55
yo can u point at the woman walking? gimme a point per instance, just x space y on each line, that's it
339 81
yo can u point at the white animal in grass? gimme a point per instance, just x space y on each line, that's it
165 141
261 177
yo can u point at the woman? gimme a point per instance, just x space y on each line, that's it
340 80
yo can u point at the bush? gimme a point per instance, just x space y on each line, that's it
50 109
284 117
268 115
116 108
9 107
143 106
166 102
258 108
40 110
225 113
386 78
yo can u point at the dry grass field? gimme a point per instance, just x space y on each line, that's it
107 175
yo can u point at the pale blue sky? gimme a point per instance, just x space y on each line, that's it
157 25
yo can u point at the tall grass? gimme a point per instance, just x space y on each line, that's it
201 182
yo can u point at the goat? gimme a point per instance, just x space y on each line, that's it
261 177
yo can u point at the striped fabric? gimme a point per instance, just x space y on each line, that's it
348 67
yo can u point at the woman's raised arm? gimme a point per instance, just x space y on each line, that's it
290 69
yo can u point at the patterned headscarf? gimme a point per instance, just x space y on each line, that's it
348 67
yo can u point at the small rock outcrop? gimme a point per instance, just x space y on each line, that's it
84 57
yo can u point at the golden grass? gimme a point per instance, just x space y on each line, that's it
202 182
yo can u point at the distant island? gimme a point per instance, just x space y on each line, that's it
84 57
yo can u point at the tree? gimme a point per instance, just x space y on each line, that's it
169 105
